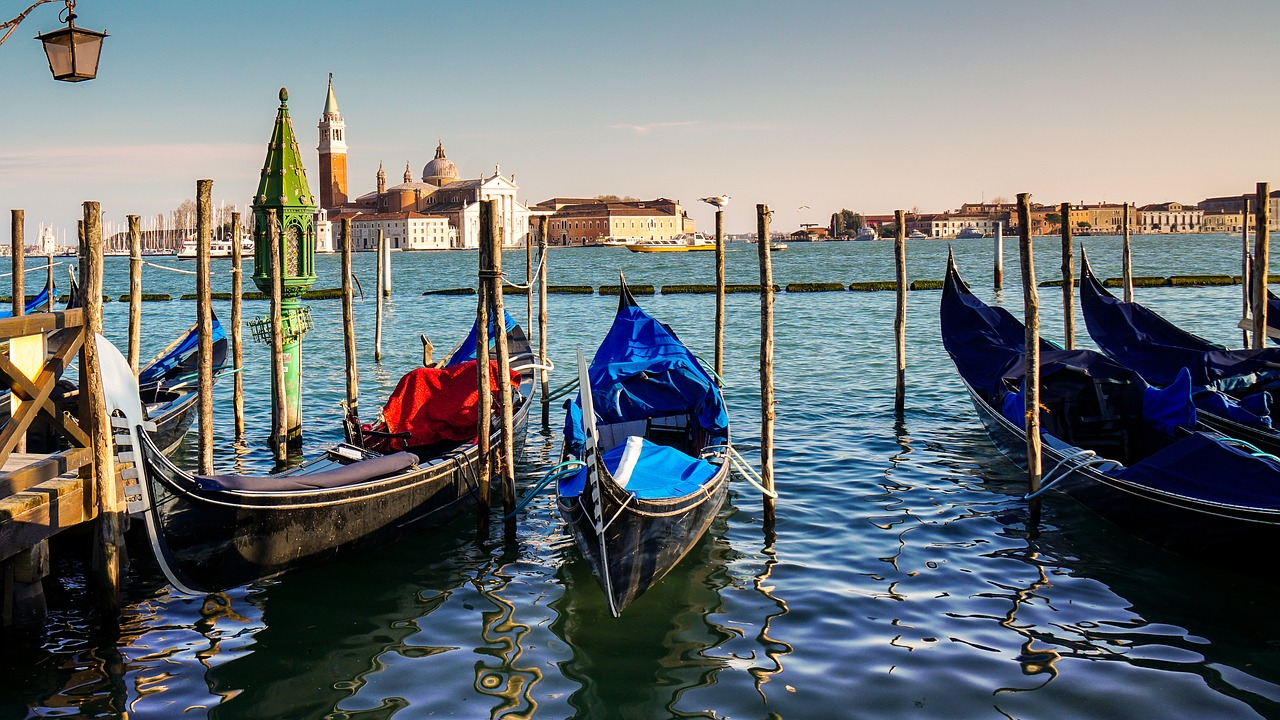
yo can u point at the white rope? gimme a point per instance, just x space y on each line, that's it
37 268
615 515
747 472
171 269
506 279
1069 464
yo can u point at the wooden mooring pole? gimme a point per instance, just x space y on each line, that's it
204 324
135 292
1031 306
237 333
17 262
506 453
900 314
384 248
1246 270
1261 263
349 325
1068 282
997 275
53 295
379 294
543 375
484 414
767 411
528 282
719 346
279 400
109 541
1126 256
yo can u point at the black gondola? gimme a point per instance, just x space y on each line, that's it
1121 447
211 533
650 428
1231 387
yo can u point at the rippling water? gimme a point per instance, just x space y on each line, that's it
903 580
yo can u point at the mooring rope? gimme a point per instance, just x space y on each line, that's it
1069 464
557 472
1254 450
171 269
37 268
744 469
506 279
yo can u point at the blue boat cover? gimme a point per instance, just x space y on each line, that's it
467 350
1199 466
32 305
660 472
161 368
642 370
1158 349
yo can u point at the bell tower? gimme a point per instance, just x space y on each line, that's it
333 154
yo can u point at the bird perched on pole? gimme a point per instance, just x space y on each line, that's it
718 200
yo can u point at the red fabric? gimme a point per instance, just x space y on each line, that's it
438 404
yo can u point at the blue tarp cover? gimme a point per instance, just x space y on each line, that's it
1199 466
33 305
175 357
467 350
660 472
642 370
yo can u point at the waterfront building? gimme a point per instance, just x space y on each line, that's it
590 221
1221 221
441 193
1170 217
404 231
1230 204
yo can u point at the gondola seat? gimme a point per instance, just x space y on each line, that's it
355 473
659 472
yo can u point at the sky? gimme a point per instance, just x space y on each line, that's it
871 106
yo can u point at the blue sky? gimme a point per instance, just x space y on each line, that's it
871 106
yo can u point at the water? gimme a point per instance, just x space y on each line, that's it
902 582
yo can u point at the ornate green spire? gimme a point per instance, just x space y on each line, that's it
284 188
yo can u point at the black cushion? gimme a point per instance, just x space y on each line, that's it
356 472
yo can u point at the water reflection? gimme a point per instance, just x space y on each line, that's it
510 676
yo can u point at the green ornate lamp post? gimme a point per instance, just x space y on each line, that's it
283 188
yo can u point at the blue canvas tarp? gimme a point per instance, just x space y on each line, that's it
642 370
178 356
36 304
467 350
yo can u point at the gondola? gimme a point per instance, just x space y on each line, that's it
1231 388
651 430
35 304
210 533
1124 449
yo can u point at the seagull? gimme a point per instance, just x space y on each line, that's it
804 207
718 200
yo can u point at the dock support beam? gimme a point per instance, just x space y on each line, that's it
484 411
1261 263
204 324
1068 282
900 315
237 333
767 411
719 347
543 375
135 292
1031 308
349 330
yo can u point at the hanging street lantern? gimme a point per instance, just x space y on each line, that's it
72 51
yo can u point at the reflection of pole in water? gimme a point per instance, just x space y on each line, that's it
1034 661
510 684
775 649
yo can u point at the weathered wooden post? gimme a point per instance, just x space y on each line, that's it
767 412
543 375
1126 256
349 325
1068 282
484 410
17 260
1031 307
384 249
135 292
204 325
237 336
505 409
109 540
720 310
284 188
997 275
1246 270
379 293
53 295
1261 263
528 282
900 315
279 396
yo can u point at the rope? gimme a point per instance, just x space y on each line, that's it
711 371
1254 450
747 472
621 507
563 390
561 470
37 268
171 269
1069 464
506 279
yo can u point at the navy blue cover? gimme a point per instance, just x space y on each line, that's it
32 305
1199 466
1157 348
467 350
177 357
642 370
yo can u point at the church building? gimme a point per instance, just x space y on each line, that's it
441 194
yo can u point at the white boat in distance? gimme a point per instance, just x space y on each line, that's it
217 248
679 243
866 232
969 233
917 235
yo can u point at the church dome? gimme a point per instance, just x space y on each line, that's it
441 170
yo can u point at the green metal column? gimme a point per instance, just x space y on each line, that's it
283 188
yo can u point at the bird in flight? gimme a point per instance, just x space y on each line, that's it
718 200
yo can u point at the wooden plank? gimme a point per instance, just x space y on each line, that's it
40 323
40 513
26 470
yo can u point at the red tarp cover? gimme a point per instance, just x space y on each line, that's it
438 404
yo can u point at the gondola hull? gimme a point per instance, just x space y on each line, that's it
1228 535
644 539
217 539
